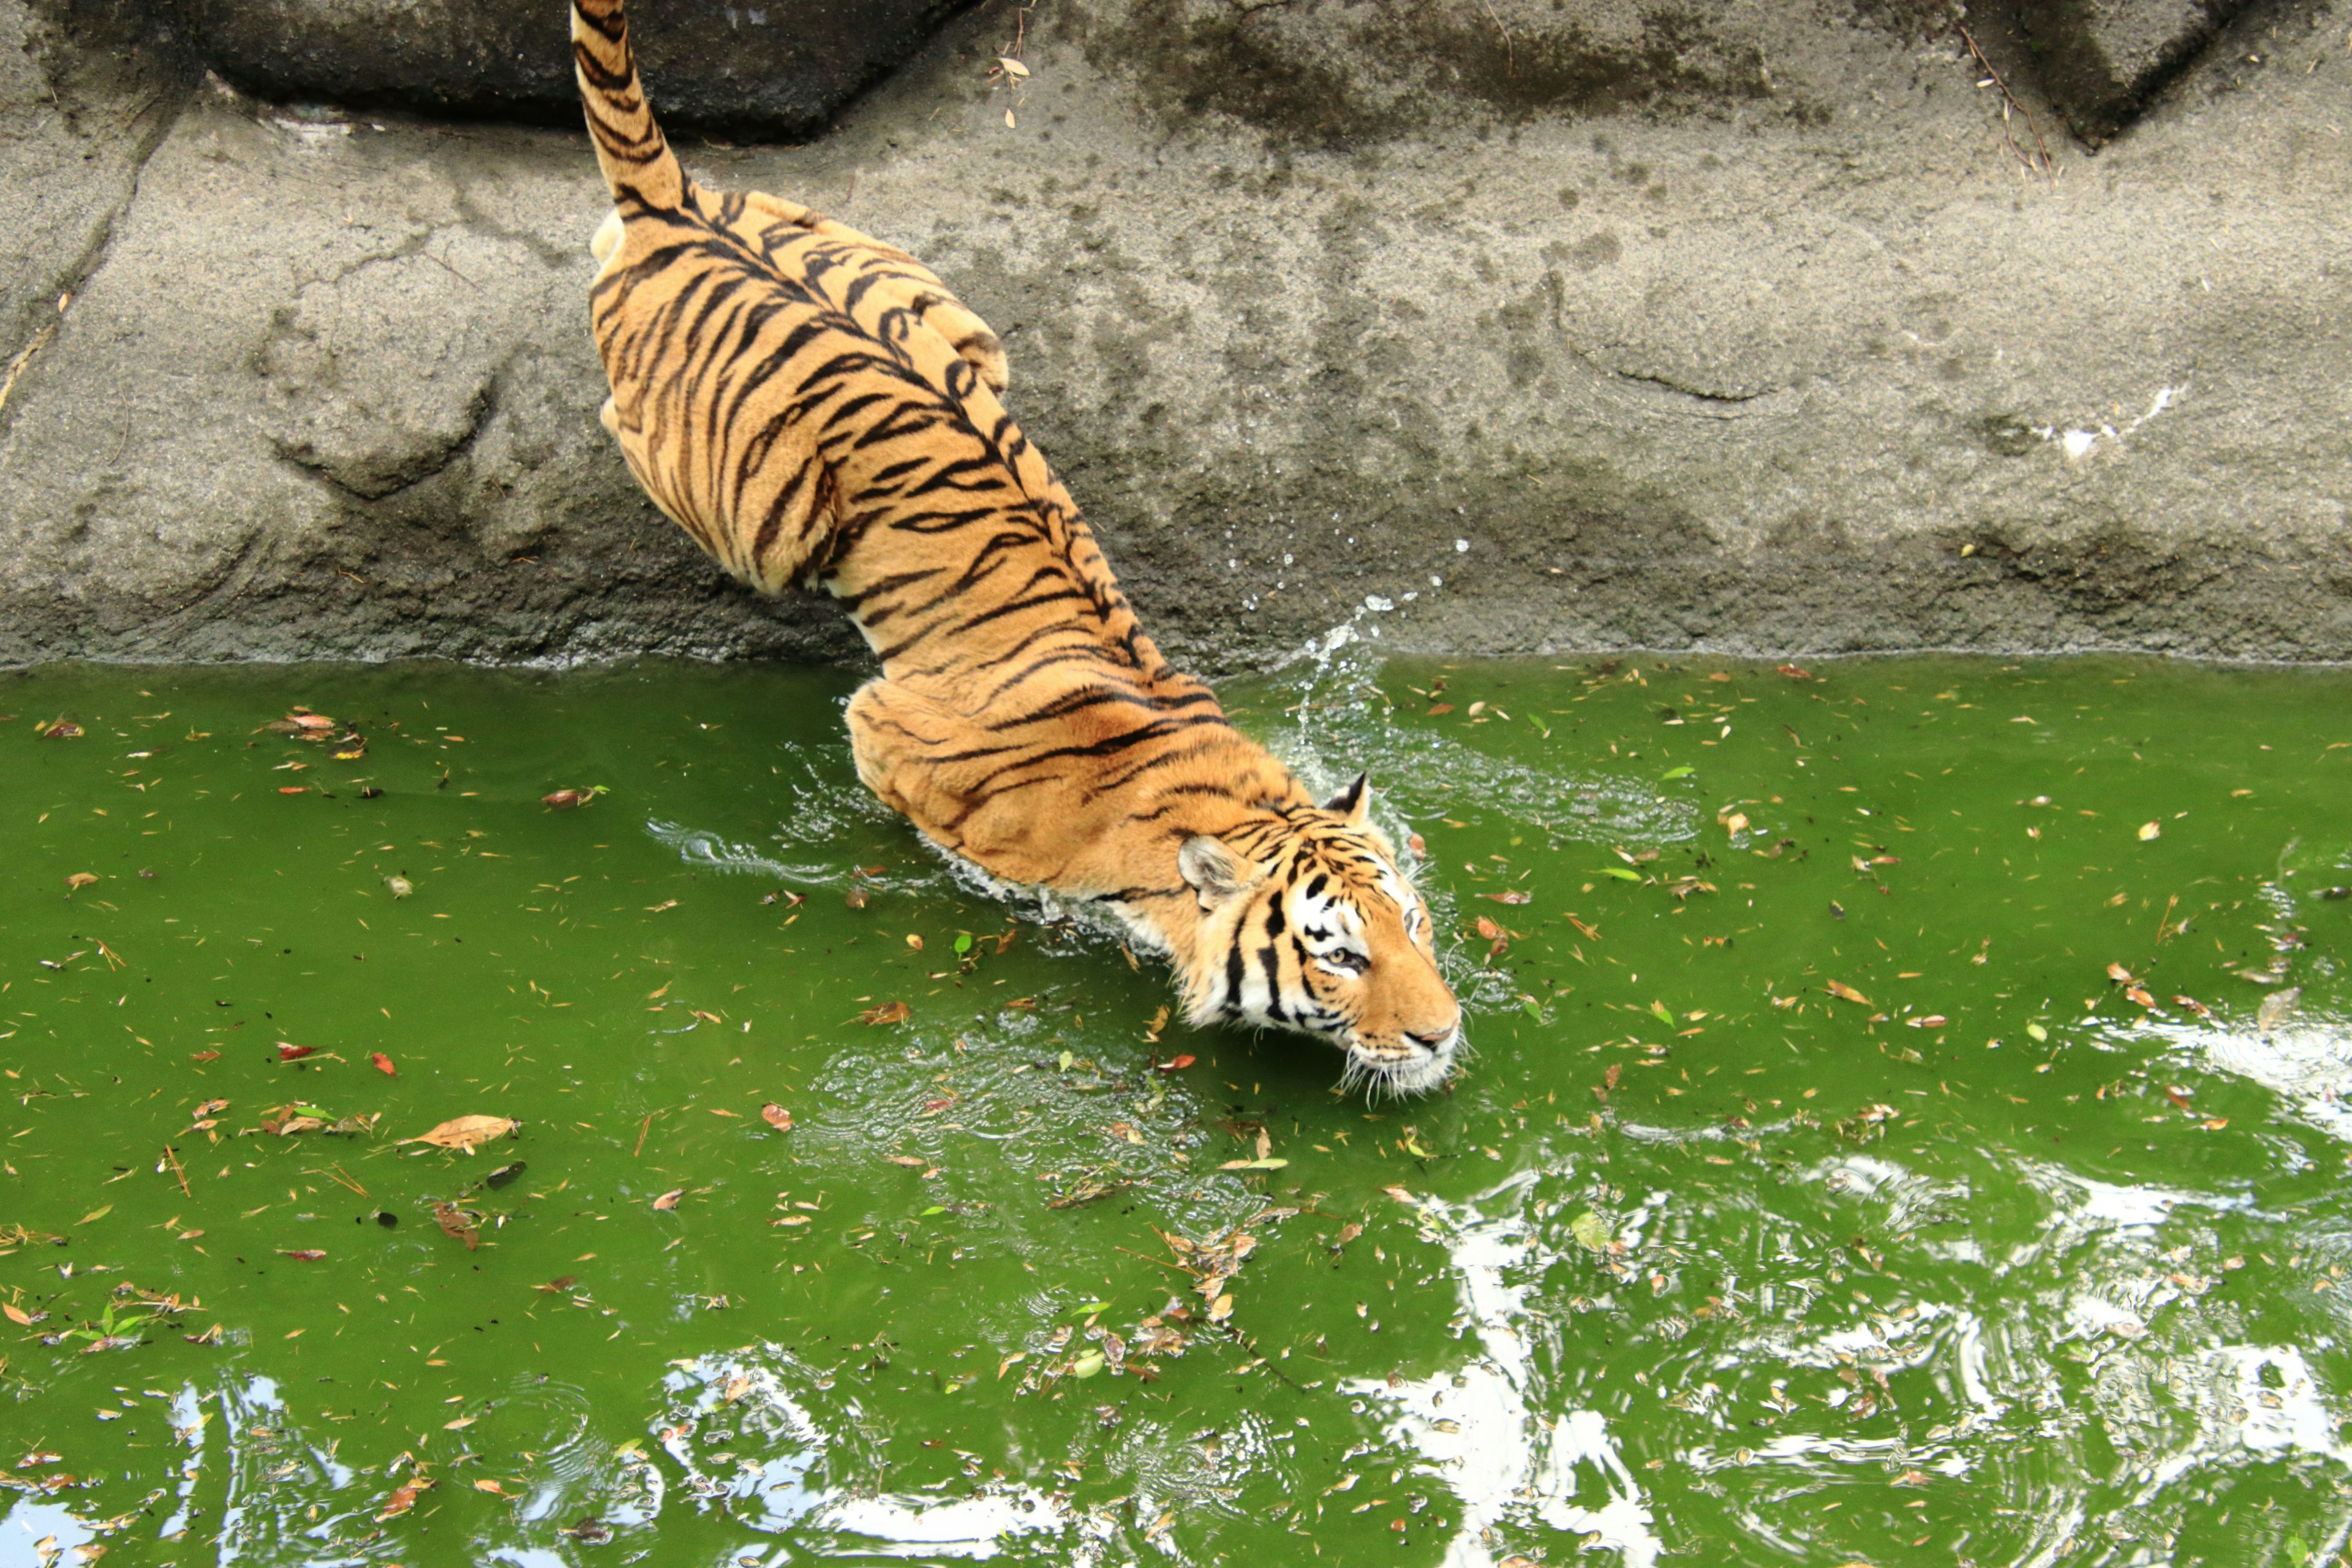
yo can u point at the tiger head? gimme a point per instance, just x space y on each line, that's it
1307 924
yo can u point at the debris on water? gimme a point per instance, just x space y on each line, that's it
776 1116
399 887
466 1132
383 1064
2277 1007
885 1013
58 730
290 1052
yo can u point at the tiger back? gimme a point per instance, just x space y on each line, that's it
816 409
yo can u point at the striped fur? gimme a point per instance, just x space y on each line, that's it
817 410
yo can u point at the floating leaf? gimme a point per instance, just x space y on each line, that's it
290 1052
566 799
909 1161
1845 993
399 887
885 1013
1620 872
1222 1308
1591 1232
1793 672
556 1287
1268 1162
777 1117
668 1200
1681 773
302 1254
1089 1363
1176 1064
383 1064
457 1224
1735 823
16 1315
80 880
2036 1032
2148 830
2277 1007
59 730
466 1132
1514 896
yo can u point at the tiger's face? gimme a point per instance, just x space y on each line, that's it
1309 925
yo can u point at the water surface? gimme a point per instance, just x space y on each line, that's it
1905 1128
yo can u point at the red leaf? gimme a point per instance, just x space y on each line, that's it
777 1117
383 1064
1440 708
1793 673
1489 930
302 1254
293 1053
1176 1064
293 789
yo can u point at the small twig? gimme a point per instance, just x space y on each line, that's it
1511 65
2166 919
1149 1259
2046 166
345 1177
641 1133
169 1153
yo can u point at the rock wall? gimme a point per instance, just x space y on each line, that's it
1744 328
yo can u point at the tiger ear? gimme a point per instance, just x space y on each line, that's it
1354 802
1211 870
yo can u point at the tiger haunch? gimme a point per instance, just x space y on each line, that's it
817 410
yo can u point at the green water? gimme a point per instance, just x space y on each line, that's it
1697 1263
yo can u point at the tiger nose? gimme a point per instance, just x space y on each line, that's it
1434 1041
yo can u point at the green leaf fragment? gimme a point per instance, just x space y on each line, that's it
1591 1232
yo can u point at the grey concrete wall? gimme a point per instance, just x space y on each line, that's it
1586 328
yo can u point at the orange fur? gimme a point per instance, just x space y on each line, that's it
817 410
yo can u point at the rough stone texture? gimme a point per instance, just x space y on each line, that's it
2101 60
780 68
1786 356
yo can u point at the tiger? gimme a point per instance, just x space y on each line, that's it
817 411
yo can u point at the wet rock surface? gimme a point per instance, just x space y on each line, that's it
1759 336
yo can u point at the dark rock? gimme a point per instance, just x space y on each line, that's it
778 68
2101 61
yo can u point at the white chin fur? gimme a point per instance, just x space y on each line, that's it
1416 1074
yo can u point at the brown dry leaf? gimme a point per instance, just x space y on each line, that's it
490 1487
777 1117
1610 1077
1845 993
204 1056
557 1286
885 1013
16 1315
1222 1308
668 1200
1734 824
2194 1005
1489 930
288 1051
405 1498
563 800
80 880
466 1132
2137 993
1513 896
908 1160
302 1254
2119 974
1793 672
457 1224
